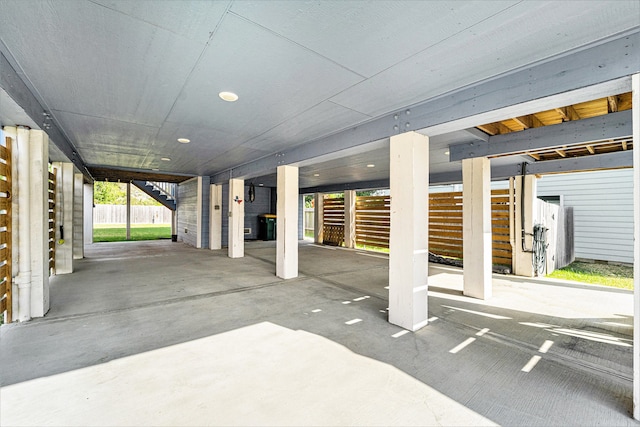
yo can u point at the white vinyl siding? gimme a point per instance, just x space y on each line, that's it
602 204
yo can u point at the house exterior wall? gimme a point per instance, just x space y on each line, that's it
187 211
602 204
193 212
261 205
203 202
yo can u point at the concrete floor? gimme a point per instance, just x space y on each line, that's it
159 333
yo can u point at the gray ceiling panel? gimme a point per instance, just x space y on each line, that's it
87 59
124 79
274 78
372 35
525 33
107 136
195 21
316 122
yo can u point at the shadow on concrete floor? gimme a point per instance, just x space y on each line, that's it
164 334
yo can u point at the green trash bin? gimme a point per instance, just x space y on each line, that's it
267 227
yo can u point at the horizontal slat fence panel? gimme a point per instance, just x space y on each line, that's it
373 220
52 221
5 231
333 221
445 223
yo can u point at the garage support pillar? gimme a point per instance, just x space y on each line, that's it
522 255
236 218
78 216
87 223
287 222
215 209
349 218
409 236
476 227
64 217
30 240
318 218
636 244
128 211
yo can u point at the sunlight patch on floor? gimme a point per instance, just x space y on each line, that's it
256 375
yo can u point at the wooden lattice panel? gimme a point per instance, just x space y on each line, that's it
5 230
52 221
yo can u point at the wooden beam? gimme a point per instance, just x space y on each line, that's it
568 113
524 121
612 102
534 155
588 131
624 145
536 122
502 128
490 128
561 153
591 150
563 113
572 113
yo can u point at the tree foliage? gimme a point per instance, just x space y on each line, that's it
115 193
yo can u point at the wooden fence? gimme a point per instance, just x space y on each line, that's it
5 231
373 221
117 214
52 220
445 223
333 221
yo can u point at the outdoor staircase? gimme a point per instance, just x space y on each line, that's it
163 192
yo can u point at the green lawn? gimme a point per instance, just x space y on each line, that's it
118 232
617 276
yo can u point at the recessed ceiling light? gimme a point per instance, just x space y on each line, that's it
261 185
165 159
316 174
228 96
446 152
370 165
155 169
184 140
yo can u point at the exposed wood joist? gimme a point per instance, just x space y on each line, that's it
597 107
586 131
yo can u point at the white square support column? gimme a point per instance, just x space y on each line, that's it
39 221
78 216
87 223
349 219
318 218
409 235
64 218
476 227
522 258
287 223
215 231
636 243
236 218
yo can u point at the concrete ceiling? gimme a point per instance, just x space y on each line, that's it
125 79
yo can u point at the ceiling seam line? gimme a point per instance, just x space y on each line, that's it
298 44
197 62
